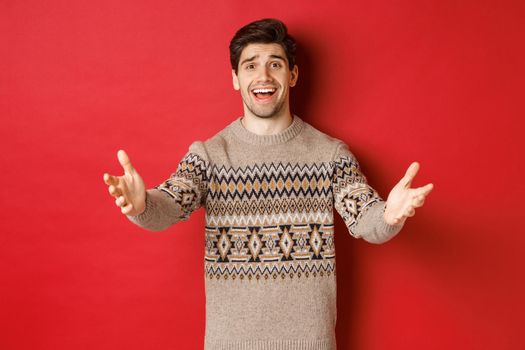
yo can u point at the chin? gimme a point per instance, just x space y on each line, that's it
266 113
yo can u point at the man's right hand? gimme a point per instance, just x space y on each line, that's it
129 190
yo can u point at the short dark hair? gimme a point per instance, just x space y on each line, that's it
265 31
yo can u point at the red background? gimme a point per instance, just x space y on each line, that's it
439 82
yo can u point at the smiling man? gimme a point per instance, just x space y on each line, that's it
264 79
269 182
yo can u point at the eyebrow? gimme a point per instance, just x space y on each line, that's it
278 57
249 59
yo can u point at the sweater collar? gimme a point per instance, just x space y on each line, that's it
281 137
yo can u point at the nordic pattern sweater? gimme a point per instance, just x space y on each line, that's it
269 253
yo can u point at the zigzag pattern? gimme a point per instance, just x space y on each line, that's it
270 181
258 271
263 220
352 195
270 168
347 171
188 185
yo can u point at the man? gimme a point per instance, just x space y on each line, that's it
269 182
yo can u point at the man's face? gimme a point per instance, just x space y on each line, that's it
264 79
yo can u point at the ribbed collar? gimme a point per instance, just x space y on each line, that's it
287 134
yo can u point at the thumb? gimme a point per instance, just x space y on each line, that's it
124 161
410 174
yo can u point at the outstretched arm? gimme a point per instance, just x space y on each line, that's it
365 213
172 201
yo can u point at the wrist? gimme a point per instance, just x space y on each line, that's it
390 218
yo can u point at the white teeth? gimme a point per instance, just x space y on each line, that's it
263 91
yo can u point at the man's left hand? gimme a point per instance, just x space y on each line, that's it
403 200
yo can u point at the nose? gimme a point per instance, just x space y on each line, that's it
264 74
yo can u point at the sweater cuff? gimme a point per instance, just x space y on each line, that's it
147 217
374 228
384 226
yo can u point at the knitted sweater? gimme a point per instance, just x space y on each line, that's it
269 252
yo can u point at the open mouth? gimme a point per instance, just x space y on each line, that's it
263 93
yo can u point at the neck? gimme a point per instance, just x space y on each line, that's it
267 126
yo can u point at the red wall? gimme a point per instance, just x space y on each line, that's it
439 82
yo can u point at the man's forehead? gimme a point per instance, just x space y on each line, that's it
262 50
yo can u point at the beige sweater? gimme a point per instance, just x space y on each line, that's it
269 253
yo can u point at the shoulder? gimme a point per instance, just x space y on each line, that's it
331 145
207 149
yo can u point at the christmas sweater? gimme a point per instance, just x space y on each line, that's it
269 248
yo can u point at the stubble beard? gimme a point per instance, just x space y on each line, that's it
264 113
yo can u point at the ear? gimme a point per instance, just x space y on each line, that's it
294 75
235 80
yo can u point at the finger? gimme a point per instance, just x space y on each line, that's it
423 191
124 161
398 220
411 212
419 201
110 180
114 191
410 173
120 201
126 209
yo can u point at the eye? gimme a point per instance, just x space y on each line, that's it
275 65
250 66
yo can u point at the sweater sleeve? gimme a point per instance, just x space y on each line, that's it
359 205
180 195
